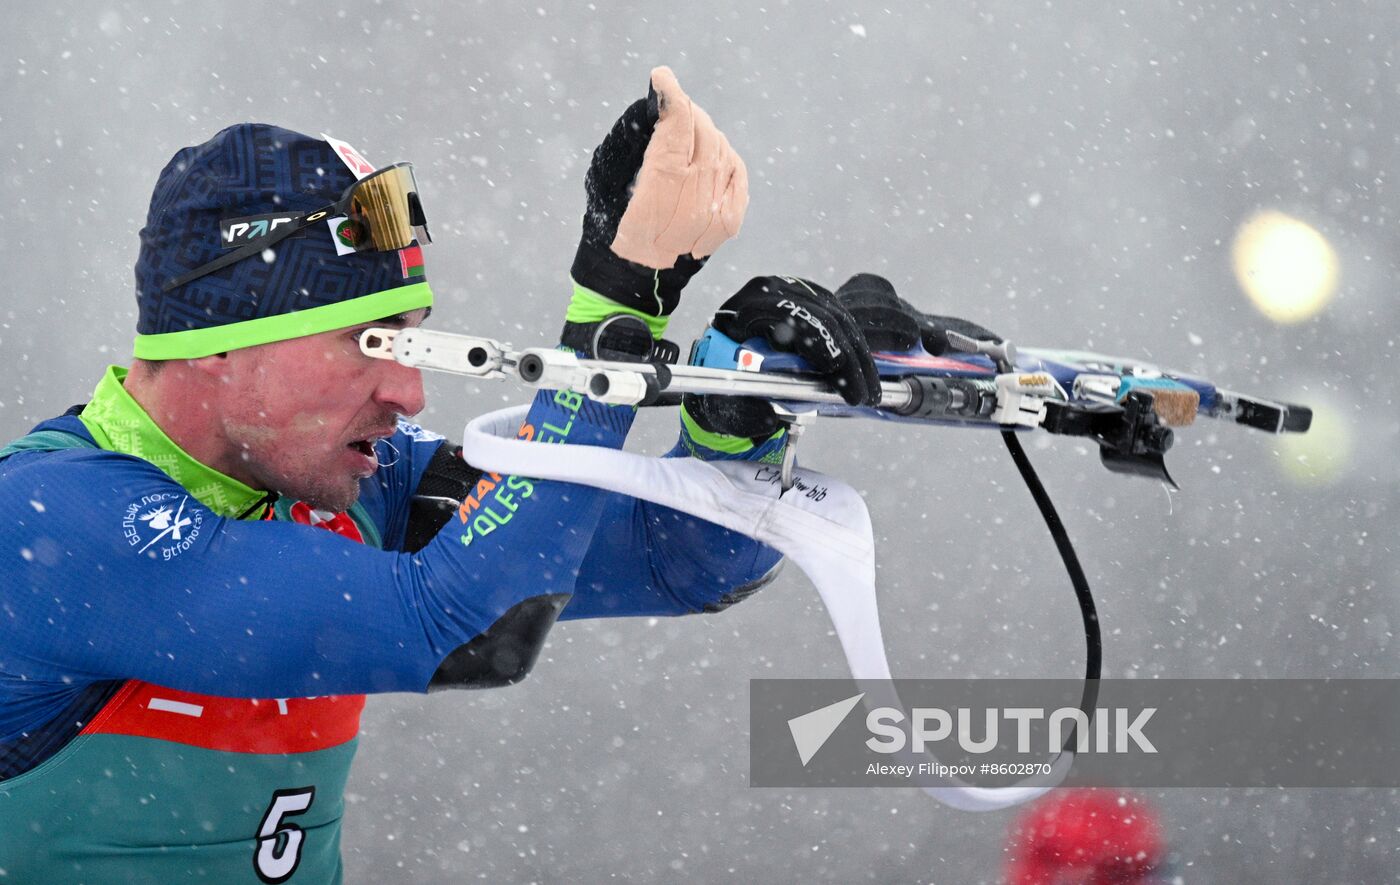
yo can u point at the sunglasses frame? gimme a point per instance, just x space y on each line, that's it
340 207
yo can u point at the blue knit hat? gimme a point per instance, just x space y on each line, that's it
300 286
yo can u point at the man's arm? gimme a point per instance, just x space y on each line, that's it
644 559
647 559
650 560
262 609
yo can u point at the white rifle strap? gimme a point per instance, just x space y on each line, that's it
821 524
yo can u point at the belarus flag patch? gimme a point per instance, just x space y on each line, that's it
411 261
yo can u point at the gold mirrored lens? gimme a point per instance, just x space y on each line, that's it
380 205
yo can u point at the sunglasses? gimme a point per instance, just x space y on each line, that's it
383 210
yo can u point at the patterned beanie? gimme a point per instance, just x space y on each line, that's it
298 286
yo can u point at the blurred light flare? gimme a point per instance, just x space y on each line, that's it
1321 456
1286 267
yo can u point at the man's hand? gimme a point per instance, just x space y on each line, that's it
665 189
692 189
865 315
891 323
796 316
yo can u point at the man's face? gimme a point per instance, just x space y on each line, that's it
301 416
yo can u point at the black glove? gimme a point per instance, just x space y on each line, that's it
690 189
892 324
609 183
799 317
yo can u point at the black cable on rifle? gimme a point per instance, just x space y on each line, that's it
1093 658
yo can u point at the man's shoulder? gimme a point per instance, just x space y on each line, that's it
57 456
97 501
64 432
40 458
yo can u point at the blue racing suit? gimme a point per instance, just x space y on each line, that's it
182 666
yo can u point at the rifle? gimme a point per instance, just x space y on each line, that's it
1128 407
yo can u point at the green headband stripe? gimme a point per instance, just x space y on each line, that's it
195 343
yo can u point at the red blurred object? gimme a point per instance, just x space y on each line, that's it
1088 836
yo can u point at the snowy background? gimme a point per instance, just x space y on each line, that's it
1068 174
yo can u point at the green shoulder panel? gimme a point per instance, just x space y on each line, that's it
45 441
